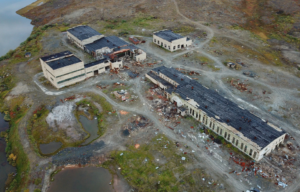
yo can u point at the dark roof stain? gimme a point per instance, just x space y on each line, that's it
213 104
83 32
168 35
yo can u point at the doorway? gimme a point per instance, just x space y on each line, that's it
96 72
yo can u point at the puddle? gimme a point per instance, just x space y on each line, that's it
89 179
90 126
5 167
126 133
50 147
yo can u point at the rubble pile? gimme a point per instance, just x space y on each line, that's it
136 123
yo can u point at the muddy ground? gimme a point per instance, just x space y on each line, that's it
273 93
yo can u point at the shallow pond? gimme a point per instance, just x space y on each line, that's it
14 28
90 179
50 147
90 126
5 167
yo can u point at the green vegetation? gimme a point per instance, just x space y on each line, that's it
228 145
14 148
39 133
125 27
93 112
142 170
106 106
184 29
32 44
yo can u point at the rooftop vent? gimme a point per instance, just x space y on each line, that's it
255 138
205 107
240 128
107 41
181 79
227 120
192 88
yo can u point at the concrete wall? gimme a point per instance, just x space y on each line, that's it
80 43
172 46
229 133
142 55
117 64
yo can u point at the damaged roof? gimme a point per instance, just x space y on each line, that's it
96 62
111 42
168 35
63 62
83 32
213 104
56 55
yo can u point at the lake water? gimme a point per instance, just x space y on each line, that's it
49 148
90 126
14 28
89 179
5 167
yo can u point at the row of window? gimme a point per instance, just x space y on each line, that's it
69 73
211 125
70 78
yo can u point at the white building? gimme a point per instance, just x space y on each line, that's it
249 133
171 41
64 69
82 35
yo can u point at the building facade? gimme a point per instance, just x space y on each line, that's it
249 133
64 68
170 40
100 46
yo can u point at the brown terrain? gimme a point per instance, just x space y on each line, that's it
263 35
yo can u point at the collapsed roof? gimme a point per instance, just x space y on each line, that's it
218 107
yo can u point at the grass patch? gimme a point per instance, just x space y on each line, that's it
39 132
142 170
14 149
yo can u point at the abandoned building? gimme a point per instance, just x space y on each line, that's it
170 40
64 68
249 133
101 47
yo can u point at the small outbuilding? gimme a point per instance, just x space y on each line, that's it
28 54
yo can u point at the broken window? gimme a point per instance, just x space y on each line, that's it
165 45
217 129
254 155
228 137
210 124
221 131
206 121
174 47
157 42
200 117
250 152
225 135
178 46
245 148
169 48
242 146
237 143
154 40
196 115
213 126
233 140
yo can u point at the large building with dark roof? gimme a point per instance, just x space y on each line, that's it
99 45
171 41
82 35
249 133
64 68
